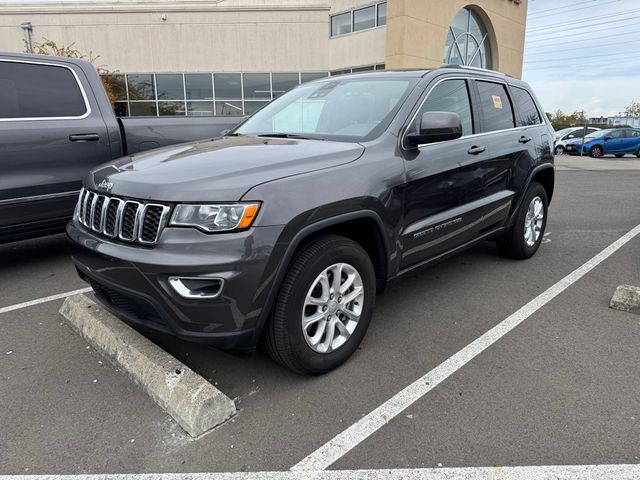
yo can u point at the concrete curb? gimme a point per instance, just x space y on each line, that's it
626 298
193 402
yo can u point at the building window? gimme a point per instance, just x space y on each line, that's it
364 68
308 77
382 14
283 82
467 41
364 18
341 24
359 19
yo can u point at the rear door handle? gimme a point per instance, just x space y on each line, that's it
476 150
84 137
524 139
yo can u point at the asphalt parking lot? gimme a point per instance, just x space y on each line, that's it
561 388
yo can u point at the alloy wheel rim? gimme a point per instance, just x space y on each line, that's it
533 221
596 152
332 308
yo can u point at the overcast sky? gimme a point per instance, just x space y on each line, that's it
584 54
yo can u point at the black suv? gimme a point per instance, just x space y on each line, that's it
286 228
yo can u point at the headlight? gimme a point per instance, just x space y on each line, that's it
215 218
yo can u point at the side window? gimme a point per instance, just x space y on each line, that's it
591 130
39 91
578 133
497 113
526 107
448 96
617 134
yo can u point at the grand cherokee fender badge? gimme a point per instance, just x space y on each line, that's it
105 185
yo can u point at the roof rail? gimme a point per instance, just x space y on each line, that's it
467 67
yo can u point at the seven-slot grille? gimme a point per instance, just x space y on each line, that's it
126 220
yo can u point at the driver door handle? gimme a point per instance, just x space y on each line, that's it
84 137
475 150
524 139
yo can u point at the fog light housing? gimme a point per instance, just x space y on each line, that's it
197 287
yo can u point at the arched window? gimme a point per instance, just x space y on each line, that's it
467 41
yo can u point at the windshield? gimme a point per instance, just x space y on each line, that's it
563 132
344 110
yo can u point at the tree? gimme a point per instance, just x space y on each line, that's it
113 83
632 110
561 120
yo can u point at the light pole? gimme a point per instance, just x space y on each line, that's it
27 29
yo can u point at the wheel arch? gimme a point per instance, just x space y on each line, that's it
543 174
546 178
365 227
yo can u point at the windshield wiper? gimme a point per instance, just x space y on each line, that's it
288 135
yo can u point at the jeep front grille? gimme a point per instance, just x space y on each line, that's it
126 220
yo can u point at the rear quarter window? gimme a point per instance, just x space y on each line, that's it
496 109
528 112
30 90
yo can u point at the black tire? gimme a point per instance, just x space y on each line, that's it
512 243
596 151
559 150
284 339
638 153
619 155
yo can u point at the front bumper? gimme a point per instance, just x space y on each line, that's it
133 281
572 149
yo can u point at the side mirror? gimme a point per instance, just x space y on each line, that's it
607 137
436 127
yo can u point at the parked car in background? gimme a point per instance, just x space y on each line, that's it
285 229
617 141
56 123
566 135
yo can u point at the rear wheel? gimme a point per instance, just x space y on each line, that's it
559 150
638 153
524 237
324 306
596 151
619 155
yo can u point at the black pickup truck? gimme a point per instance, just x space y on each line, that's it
56 123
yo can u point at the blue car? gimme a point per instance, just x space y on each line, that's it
617 141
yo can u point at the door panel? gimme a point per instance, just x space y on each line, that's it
436 192
49 138
616 143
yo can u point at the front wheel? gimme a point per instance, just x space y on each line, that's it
559 150
524 237
324 306
596 151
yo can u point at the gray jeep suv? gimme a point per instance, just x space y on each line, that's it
284 230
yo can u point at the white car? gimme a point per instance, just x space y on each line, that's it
565 135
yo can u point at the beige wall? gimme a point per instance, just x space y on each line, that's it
417 31
196 36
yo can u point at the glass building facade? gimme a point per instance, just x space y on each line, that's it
200 94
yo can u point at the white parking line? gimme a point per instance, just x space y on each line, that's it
37 301
562 472
342 443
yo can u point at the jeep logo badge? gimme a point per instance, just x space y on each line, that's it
105 185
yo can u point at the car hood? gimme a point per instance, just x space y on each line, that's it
222 169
